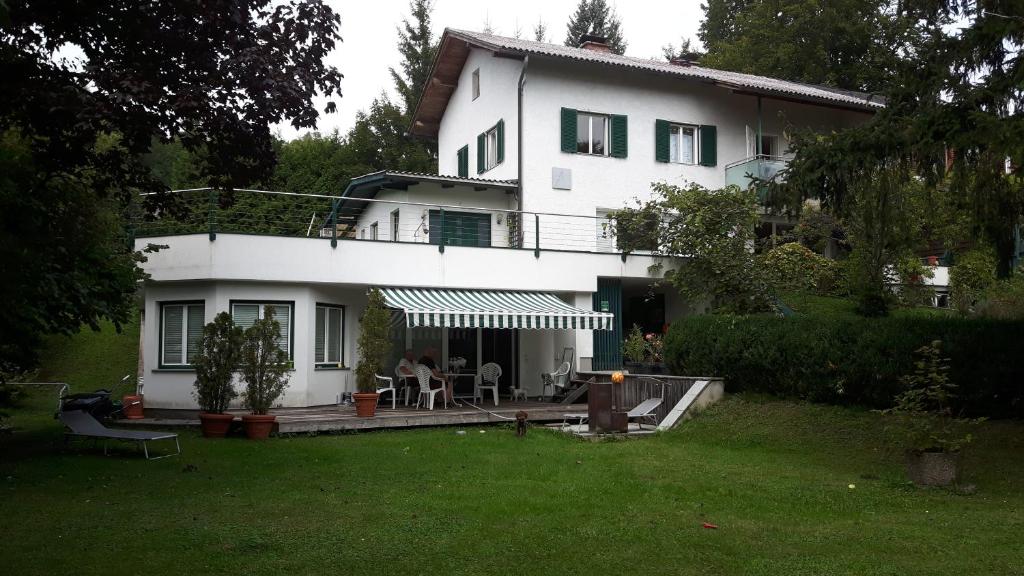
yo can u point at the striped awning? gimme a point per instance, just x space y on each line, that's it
427 307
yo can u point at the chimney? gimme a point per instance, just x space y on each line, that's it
685 62
595 43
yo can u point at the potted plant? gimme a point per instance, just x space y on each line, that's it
373 345
931 434
265 370
634 348
216 364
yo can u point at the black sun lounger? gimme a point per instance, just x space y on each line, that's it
81 424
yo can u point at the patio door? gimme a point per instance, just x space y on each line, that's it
608 343
499 346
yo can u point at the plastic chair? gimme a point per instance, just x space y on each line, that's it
487 379
556 380
424 375
386 384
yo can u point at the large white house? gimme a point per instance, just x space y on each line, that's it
504 255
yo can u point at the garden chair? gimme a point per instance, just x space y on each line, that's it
557 380
487 379
645 410
80 423
425 375
386 384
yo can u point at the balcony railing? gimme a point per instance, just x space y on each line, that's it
334 219
744 172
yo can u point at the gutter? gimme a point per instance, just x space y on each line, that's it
519 133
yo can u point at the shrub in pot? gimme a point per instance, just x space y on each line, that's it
373 346
931 434
265 370
216 364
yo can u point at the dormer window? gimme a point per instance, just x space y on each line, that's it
476 84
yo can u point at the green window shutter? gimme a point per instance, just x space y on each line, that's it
463 161
619 137
661 143
569 130
481 153
501 141
708 146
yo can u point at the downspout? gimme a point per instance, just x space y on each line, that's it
757 145
519 134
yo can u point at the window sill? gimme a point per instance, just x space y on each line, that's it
330 368
174 369
486 170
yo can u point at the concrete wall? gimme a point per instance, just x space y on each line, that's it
466 118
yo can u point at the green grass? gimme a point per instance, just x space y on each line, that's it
90 360
772 475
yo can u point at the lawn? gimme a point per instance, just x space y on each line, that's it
773 476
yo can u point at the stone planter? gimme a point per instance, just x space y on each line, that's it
933 468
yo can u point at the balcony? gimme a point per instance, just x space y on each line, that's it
744 172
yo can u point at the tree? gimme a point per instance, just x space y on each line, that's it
374 341
714 229
685 51
216 364
842 43
595 17
264 366
73 135
540 31
417 46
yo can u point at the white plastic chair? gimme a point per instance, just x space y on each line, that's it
487 379
556 380
386 384
424 375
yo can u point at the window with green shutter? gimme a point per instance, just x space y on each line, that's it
661 140
569 130
597 134
463 161
708 146
328 343
481 153
619 137
181 331
675 143
245 315
491 151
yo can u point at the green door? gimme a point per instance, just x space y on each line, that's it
608 343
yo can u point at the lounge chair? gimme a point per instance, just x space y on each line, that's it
645 409
81 424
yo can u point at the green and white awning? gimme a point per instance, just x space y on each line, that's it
441 308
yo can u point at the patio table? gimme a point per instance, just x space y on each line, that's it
453 377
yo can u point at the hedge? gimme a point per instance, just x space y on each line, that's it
852 361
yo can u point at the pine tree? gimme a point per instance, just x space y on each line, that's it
417 46
540 31
595 17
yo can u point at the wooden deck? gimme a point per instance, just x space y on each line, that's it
328 419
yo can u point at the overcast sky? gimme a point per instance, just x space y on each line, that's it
370 38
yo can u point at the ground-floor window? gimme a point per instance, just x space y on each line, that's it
246 313
330 335
181 329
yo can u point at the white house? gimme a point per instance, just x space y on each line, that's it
504 254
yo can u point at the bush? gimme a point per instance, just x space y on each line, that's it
852 361
216 364
264 365
974 272
793 267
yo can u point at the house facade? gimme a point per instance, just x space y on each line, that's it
504 255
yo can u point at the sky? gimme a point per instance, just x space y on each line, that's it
370 38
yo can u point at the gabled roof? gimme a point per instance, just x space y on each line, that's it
455 46
368 185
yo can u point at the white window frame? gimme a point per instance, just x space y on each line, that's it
324 361
476 84
184 363
395 221
491 148
261 307
374 229
678 137
590 132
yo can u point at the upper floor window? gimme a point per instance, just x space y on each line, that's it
181 330
373 231
460 228
462 159
394 225
682 144
490 148
476 84
592 134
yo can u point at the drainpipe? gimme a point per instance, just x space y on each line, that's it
757 145
519 133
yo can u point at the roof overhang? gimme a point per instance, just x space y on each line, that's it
454 49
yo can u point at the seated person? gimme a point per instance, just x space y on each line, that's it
428 360
407 365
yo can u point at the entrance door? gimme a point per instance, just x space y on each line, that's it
498 346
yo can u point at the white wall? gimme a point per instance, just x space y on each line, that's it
605 182
466 118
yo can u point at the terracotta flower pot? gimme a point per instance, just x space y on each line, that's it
215 425
366 404
258 426
132 407
933 468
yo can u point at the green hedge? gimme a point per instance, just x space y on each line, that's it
852 360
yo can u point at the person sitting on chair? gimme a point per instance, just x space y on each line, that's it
407 367
428 360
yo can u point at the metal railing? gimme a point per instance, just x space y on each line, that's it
337 218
